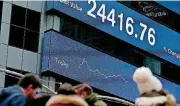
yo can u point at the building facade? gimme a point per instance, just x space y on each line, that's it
96 42
22 28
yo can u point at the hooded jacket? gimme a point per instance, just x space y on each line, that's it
12 96
66 100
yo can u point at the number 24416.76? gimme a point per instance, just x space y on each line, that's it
129 22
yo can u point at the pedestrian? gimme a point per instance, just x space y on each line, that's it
151 90
86 92
18 95
66 97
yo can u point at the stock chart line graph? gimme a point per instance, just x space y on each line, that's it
98 72
85 62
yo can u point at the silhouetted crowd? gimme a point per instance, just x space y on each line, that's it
25 93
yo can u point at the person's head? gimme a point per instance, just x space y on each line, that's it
83 90
66 89
31 85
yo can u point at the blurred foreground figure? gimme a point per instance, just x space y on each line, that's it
39 101
86 92
66 97
18 95
151 90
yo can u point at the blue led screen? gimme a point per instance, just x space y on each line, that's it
172 5
125 24
77 61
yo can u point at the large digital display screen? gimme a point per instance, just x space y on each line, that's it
125 24
82 63
172 5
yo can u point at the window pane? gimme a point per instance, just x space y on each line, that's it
33 20
18 15
16 36
31 41
171 72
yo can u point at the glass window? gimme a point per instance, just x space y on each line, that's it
33 20
31 41
24 20
171 72
16 36
18 15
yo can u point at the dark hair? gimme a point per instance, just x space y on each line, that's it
30 79
66 89
83 88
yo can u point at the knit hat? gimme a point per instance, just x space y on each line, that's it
146 81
